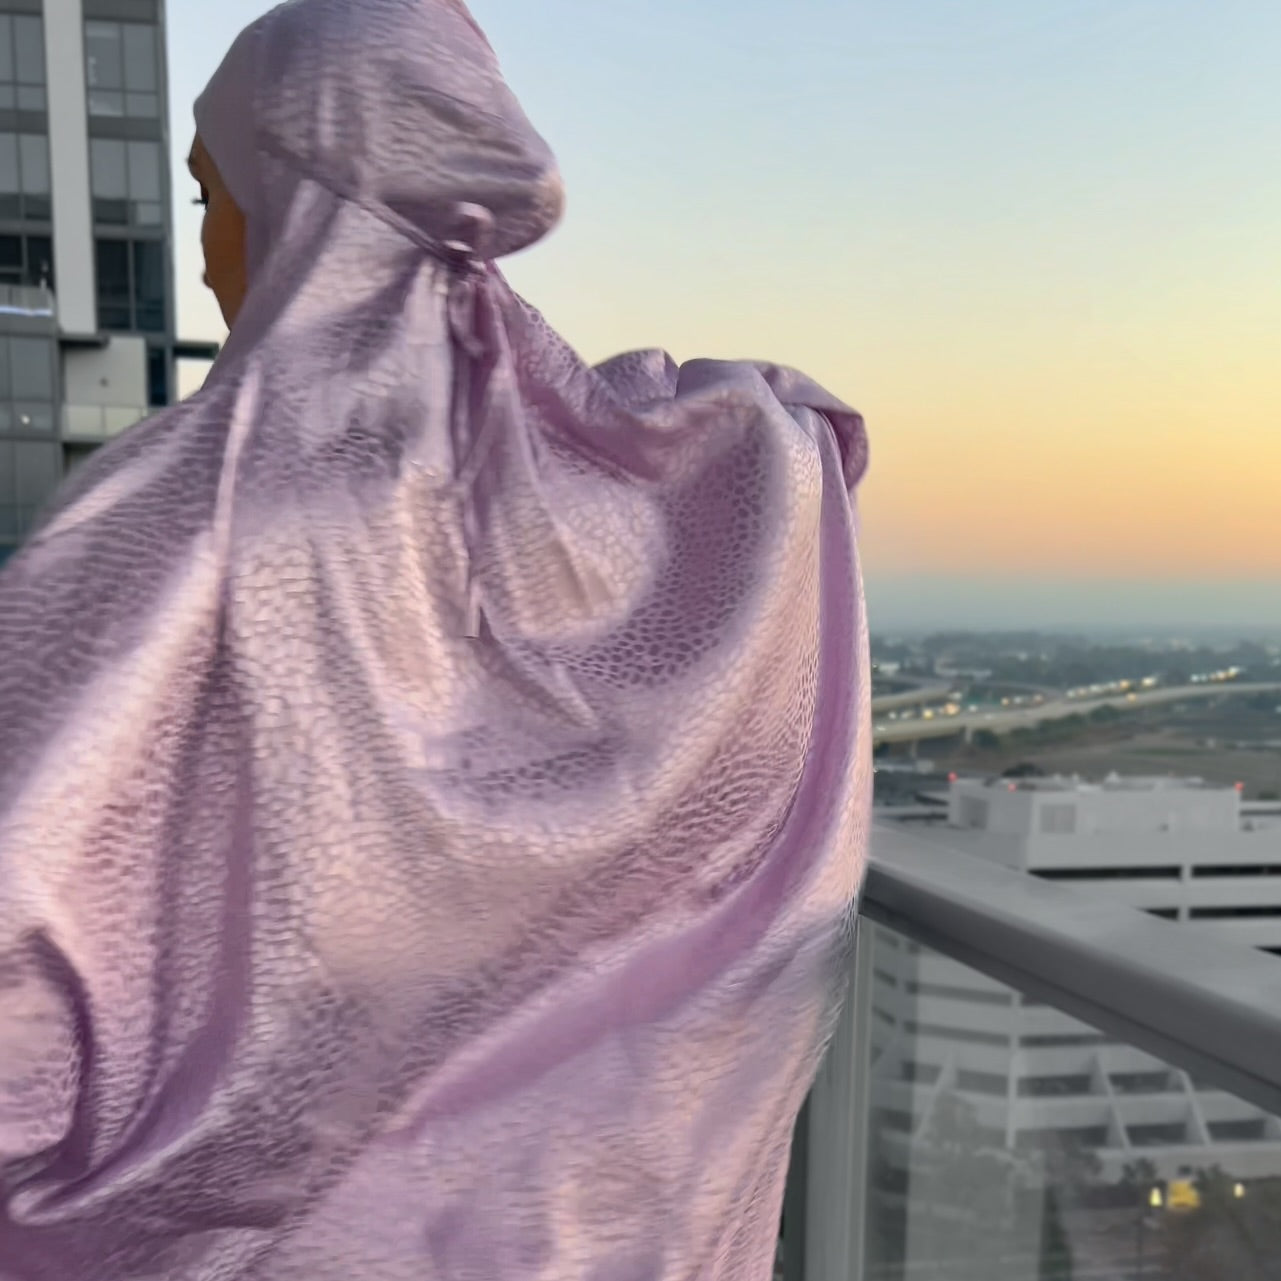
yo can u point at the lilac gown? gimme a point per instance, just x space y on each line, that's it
434 774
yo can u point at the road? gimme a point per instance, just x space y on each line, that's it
1004 720
922 695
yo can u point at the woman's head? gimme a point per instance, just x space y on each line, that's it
222 235
392 107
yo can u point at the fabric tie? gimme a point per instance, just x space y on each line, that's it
480 351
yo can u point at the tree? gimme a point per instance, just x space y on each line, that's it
1025 769
1056 1249
1140 1175
977 1206
1075 1168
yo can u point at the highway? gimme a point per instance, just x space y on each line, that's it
1003 720
920 696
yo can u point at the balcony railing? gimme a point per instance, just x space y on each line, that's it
1033 1083
98 422
26 300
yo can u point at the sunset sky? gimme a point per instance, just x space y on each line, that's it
1036 242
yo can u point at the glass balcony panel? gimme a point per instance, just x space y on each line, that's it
992 1152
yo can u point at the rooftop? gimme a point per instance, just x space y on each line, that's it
1081 786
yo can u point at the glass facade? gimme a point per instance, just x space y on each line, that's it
126 182
31 369
148 285
29 473
131 282
22 64
26 260
123 70
129 185
30 454
115 305
24 177
158 380
28 384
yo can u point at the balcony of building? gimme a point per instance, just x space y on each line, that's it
64 393
1034 1081
95 424
28 302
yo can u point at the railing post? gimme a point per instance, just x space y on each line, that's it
795 1198
836 1164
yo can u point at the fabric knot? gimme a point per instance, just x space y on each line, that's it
480 357
470 246
478 413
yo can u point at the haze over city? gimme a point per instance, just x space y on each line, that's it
1035 245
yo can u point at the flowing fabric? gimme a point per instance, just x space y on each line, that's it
434 773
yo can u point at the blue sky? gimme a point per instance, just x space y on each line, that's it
1038 243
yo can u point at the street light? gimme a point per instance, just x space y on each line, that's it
1156 1200
1238 1190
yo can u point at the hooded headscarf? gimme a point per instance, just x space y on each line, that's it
433 772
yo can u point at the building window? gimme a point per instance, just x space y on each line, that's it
1238 869
22 68
122 70
1169 1134
26 260
149 285
917 1073
979 996
1058 820
1168 872
125 177
974 813
28 370
157 377
1058 1139
1251 911
115 297
973 1082
1141 1082
31 369
1056 1041
1253 1130
24 176
1052 1087
73 454
965 1035
27 391
29 473
131 285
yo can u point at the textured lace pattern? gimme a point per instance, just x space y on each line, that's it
433 773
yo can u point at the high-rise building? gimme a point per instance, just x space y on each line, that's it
1036 1079
87 316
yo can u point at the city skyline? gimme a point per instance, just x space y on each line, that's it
1037 251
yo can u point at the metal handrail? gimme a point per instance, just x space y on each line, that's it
27 300
1177 990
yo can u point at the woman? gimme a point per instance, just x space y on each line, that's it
433 773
